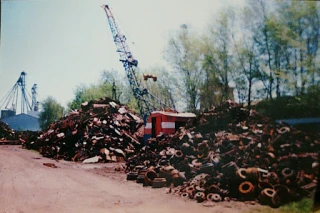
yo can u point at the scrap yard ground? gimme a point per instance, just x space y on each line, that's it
26 185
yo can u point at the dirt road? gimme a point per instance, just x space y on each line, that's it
26 185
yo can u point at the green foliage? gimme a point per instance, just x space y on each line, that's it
303 206
184 54
103 89
291 107
165 87
86 93
51 111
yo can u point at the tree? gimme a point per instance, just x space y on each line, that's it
184 54
51 111
164 88
112 83
246 55
87 93
218 56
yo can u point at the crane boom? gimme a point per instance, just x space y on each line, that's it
145 100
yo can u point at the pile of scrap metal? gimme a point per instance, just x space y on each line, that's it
7 135
101 131
231 153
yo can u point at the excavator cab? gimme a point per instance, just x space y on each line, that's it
162 122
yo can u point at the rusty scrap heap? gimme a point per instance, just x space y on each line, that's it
6 133
231 153
102 130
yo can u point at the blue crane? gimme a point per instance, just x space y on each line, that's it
146 101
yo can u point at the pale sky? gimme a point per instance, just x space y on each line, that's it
61 44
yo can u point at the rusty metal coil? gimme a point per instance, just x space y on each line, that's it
194 182
185 195
280 197
191 191
200 196
170 152
203 148
242 173
201 176
214 197
174 172
287 172
178 154
266 195
213 189
271 155
196 163
246 188
253 173
283 130
149 176
163 153
200 155
199 189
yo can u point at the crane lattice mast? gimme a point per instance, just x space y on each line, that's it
145 100
10 101
35 104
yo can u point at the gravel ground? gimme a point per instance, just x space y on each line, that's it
26 185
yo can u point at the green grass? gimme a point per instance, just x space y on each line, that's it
303 206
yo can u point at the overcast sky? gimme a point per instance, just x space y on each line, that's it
64 43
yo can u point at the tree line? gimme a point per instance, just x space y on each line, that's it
265 50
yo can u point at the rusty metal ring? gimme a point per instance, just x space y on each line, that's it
242 173
213 189
246 187
185 195
170 152
196 163
190 190
283 130
199 189
268 192
276 200
287 172
266 196
214 197
149 176
178 154
200 155
200 196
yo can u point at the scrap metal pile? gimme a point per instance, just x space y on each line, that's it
101 131
231 153
6 133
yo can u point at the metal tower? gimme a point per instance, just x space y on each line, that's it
35 104
10 101
146 101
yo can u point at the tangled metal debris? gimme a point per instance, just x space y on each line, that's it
6 133
101 131
230 153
